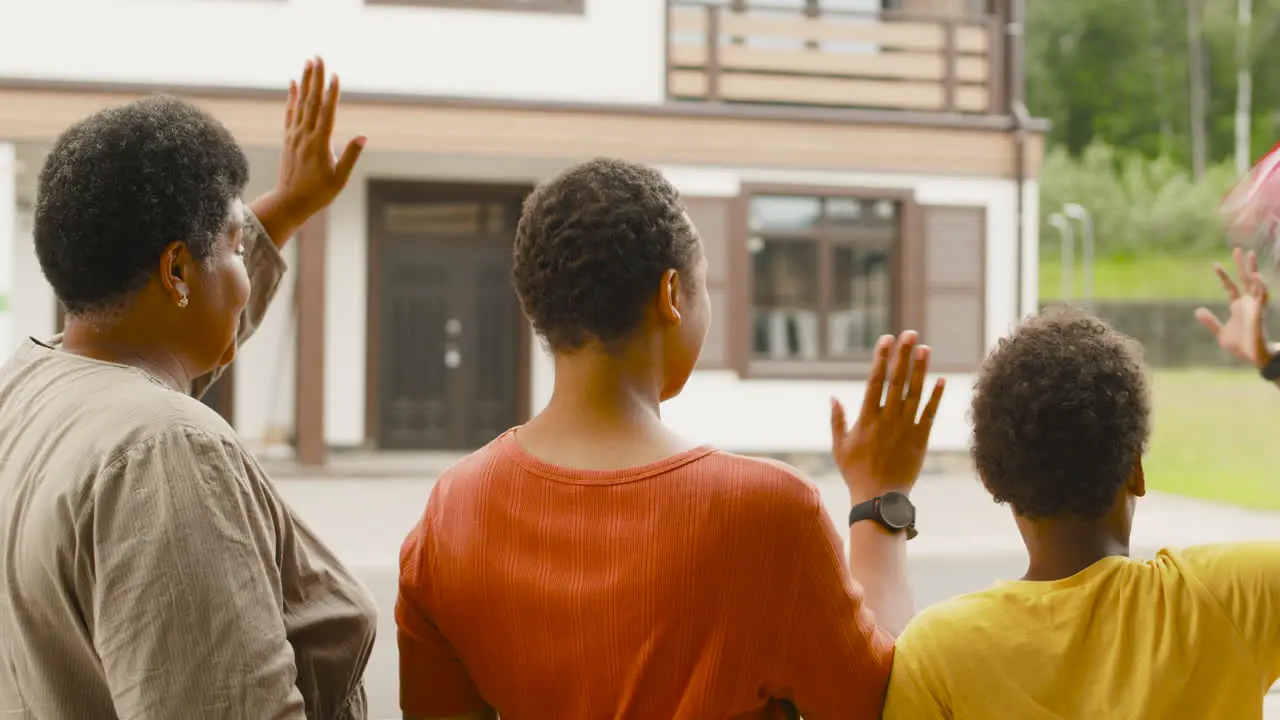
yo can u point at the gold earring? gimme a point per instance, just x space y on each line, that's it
182 301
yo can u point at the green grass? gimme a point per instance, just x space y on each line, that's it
1152 277
1216 436
1216 433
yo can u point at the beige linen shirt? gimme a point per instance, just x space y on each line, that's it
148 567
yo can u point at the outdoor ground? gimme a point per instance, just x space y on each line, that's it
1216 435
966 542
1215 431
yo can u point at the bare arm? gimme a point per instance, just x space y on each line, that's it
884 452
878 559
310 178
280 218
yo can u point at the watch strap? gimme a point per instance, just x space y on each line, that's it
870 510
866 510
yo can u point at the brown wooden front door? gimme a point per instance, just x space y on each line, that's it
449 322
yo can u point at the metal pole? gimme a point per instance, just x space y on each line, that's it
1063 225
1244 85
1078 212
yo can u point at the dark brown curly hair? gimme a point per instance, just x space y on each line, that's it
1061 416
592 246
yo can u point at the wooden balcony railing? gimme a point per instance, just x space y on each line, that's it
745 54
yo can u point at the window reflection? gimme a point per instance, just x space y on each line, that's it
822 275
861 293
784 299
783 213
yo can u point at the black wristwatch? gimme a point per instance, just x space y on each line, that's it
893 510
1271 371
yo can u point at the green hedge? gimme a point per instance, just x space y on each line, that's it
1139 205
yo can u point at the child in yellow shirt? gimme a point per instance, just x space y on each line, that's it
1062 416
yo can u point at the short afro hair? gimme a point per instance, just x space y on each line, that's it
122 184
1061 416
591 248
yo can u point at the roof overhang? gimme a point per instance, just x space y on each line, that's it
694 134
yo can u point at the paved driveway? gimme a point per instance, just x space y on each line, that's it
966 542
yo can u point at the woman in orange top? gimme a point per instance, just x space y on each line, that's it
592 564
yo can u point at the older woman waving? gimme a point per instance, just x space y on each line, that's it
148 568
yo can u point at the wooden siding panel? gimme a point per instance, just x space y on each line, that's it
955 286
716 350
714 219
712 216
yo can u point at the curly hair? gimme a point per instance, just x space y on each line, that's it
1061 416
122 184
591 248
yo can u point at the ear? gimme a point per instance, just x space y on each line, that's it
176 268
1138 481
669 297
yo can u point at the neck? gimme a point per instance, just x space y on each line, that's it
1060 548
126 343
604 392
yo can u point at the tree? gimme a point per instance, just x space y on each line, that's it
1119 71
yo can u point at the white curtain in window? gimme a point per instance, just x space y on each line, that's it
793 334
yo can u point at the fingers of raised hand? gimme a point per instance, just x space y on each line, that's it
879 370
931 407
901 370
915 386
291 111
1209 321
347 162
1242 266
1255 286
838 424
298 116
329 108
312 90
1228 284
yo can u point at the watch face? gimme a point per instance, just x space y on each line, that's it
897 510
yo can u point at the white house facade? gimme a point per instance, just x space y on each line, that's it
853 170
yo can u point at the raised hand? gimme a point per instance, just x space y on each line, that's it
885 448
311 175
1244 333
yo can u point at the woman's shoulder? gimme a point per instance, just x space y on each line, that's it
157 410
760 476
105 422
94 405
175 422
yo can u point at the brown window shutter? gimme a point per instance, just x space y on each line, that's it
713 216
955 242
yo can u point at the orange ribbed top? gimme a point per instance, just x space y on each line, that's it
699 587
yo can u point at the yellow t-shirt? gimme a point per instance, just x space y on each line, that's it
1191 634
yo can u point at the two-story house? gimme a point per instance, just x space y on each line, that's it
854 166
